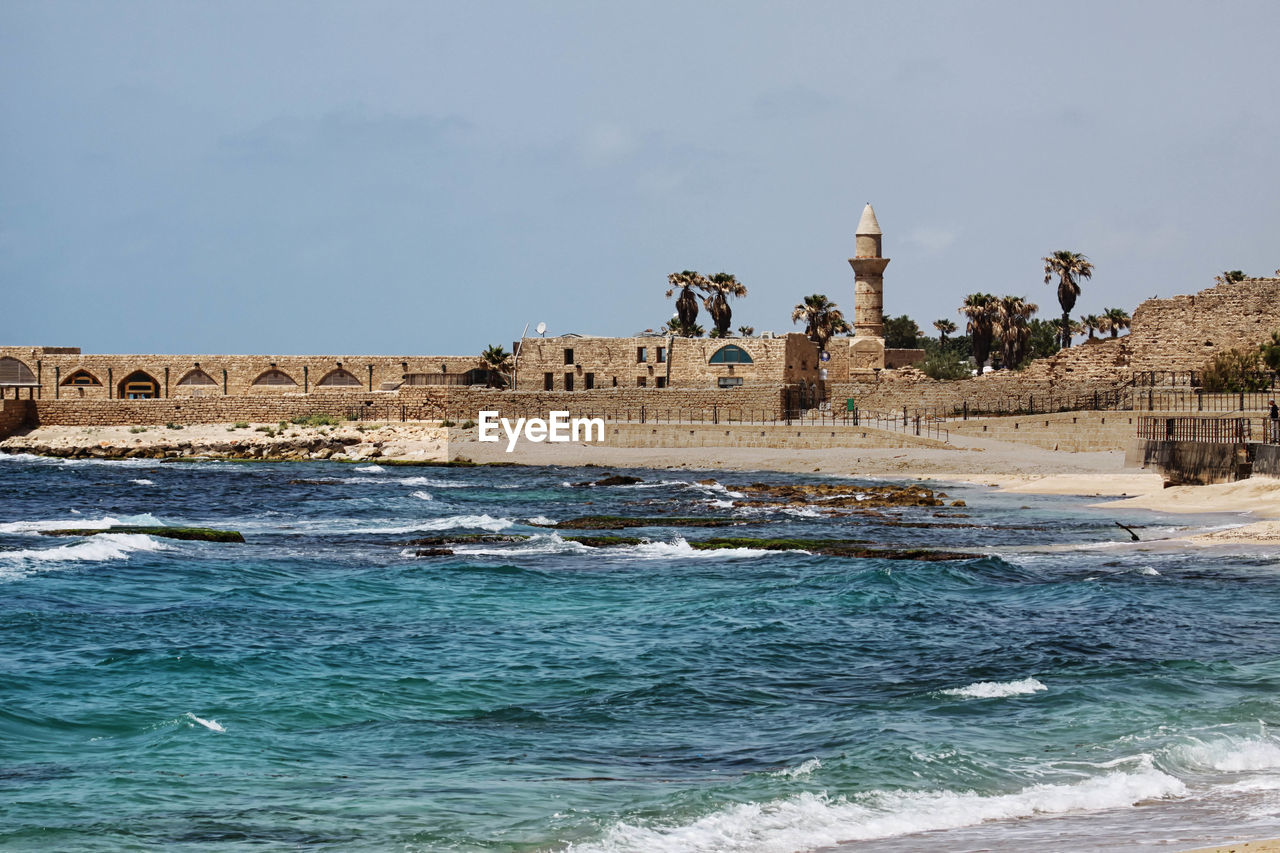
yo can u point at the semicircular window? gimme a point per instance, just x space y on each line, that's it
14 372
730 354
83 378
196 377
339 378
274 377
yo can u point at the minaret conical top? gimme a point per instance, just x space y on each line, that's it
868 224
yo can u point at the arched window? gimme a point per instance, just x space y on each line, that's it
274 377
730 354
196 377
81 378
139 385
14 372
338 378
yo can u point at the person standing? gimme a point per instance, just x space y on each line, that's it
1274 418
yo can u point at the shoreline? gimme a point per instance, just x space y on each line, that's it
1010 467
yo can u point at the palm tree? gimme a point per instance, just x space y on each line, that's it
944 327
687 303
1069 267
498 361
1229 276
1091 323
980 308
1013 315
1116 319
746 331
721 286
679 328
822 319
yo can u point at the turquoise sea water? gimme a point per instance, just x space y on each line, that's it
322 687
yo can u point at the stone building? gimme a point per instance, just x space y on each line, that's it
579 363
56 373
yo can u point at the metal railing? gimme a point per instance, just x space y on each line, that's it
1204 430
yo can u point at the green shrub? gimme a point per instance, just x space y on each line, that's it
262 429
172 425
945 366
468 424
240 425
136 430
1235 370
316 420
447 423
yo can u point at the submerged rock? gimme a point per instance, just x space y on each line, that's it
613 480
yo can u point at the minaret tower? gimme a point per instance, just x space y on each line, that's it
868 282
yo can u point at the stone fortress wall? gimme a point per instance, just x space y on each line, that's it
1183 332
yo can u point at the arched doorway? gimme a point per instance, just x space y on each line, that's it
139 385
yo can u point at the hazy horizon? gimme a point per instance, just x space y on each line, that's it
409 178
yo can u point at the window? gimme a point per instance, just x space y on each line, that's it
730 354
196 377
642 355
729 381
662 355
82 378
568 355
548 381
660 382
615 382
339 378
274 377
642 381
589 381
568 382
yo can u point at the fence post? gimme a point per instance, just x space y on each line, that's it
642 414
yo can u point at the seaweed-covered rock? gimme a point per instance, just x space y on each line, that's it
192 534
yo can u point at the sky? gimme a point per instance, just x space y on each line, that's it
428 178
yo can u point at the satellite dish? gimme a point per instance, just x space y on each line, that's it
541 328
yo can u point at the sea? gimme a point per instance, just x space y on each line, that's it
325 686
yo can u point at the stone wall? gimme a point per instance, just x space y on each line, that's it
15 416
232 409
748 402
1076 432
587 363
1183 332
737 435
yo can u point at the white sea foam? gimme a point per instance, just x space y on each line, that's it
681 549
211 725
422 496
541 520
1147 570
371 469
105 546
804 768
808 820
143 482
1229 755
720 504
996 689
451 522
802 512
33 527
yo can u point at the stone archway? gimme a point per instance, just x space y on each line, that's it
139 385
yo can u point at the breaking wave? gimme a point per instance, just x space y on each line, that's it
33 527
996 689
808 820
100 548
